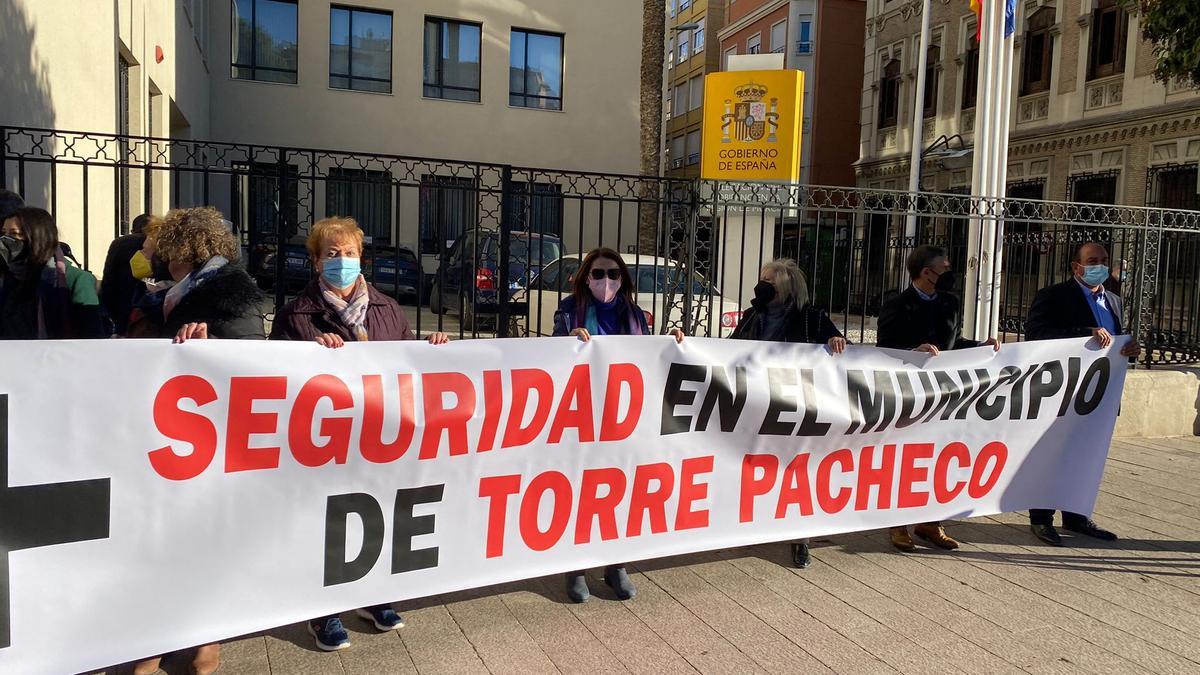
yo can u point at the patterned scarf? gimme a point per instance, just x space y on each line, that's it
353 313
186 285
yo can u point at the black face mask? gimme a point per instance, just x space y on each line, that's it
764 293
159 270
946 282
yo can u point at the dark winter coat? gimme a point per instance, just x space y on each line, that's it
805 324
229 302
309 316
119 289
907 321
1062 311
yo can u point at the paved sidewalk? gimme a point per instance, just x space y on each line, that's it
1005 603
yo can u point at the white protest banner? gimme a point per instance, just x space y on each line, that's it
157 496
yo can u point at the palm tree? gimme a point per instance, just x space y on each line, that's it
654 13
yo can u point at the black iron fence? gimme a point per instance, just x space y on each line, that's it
481 249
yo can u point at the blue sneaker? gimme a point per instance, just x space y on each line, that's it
383 616
329 634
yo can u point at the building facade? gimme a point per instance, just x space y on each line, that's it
691 54
819 37
1089 122
535 83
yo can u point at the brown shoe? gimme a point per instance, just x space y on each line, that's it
936 535
901 540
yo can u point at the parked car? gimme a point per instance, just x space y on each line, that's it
467 279
657 280
392 269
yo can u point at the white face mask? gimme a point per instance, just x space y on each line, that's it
604 290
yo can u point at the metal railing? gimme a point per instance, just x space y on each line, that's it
485 249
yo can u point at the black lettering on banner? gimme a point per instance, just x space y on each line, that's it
673 396
33 516
984 378
1041 388
990 408
809 426
729 406
780 403
338 508
1072 380
866 408
1017 394
952 393
406 526
908 398
1099 370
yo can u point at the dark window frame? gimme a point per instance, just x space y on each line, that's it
971 69
362 186
441 200
426 86
1038 26
252 66
1104 9
889 94
562 58
930 95
350 49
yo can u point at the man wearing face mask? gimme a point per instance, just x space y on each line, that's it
1078 307
926 317
124 268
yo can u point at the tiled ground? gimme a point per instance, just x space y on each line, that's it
1004 603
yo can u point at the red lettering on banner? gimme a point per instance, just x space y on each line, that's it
880 477
497 490
754 485
244 422
559 487
451 420
621 374
981 485
644 501
181 425
795 488
690 492
370 440
829 502
575 408
493 401
524 381
592 506
911 473
942 492
336 429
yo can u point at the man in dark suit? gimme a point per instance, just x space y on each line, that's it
1078 307
119 285
926 317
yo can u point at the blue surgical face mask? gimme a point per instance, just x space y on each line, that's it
341 272
1094 275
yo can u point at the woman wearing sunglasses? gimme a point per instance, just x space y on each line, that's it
601 303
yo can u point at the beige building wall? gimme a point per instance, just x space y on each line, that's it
1126 123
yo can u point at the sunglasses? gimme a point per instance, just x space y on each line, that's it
599 274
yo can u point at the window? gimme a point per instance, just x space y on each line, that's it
693 147
452 51
667 107
365 196
698 37
889 94
360 49
1093 188
678 152
670 7
268 203
1106 49
537 208
1038 52
732 51
535 73
684 4
671 52
697 93
970 70
265 42
448 208
779 37
805 45
933 55
685 47
681 98
1174 187
754 44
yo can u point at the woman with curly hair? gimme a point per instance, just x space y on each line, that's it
211 297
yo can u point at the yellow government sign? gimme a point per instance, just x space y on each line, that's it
752 125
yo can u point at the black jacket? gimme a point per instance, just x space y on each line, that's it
906 322
806 324
1062 311
229 302
118 287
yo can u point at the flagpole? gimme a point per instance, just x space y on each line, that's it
918 127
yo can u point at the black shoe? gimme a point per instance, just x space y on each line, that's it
618 579
800 556
1046 533
1091 529
577 587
